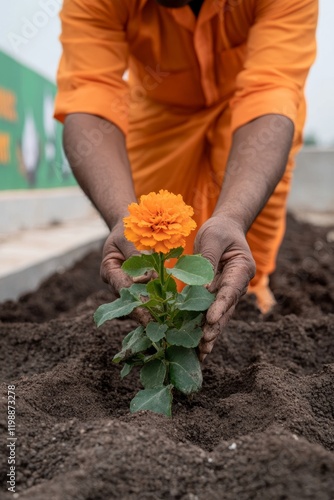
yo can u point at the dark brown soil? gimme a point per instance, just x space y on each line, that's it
261 428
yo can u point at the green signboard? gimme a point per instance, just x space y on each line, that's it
31 154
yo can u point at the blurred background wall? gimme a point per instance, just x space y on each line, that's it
30 140
36 184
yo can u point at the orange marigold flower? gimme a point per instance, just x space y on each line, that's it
160 221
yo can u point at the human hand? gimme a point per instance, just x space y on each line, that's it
223 243
115 251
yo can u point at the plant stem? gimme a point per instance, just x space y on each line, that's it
157 319
162 270
155 346
162 281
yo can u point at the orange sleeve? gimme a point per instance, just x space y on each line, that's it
94 58
281 48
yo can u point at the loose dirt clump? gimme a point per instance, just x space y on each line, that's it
261 428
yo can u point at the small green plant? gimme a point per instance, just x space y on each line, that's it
166 348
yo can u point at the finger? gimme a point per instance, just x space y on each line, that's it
213 287
211 333
128 249
202 355
206 245
141 315
112 274
145 278
119 279
227 297
232 285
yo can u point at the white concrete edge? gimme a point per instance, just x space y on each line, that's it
32 194
33 209
28 279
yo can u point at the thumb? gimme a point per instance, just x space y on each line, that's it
209 248
128 249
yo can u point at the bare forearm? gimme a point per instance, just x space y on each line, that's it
256 164
97 154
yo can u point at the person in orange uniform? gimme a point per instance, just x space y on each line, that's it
213 108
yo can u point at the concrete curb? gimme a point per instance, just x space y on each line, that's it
30 209
29 257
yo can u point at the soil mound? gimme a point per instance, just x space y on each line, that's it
261 428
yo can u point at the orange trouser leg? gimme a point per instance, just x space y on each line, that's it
264 238
267 231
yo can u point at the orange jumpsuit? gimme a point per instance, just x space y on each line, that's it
192 83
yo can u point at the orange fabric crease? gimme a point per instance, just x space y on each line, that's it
192 83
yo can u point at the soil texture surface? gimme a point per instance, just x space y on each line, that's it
261 428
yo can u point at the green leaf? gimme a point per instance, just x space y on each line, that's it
155 259
156 292
194 298
154 303
184 369
126 370
154 288
132 336
157 355
171 285
184 337
153 374
183 317
137 265
136 341
174 253
158 400
138 289
155 331
193 270
120 307
190 322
